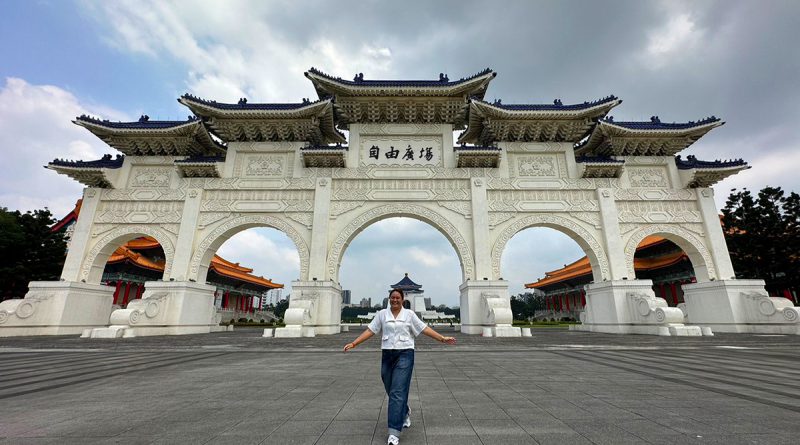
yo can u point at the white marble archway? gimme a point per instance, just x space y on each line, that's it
97 257
694 247
591 247
205 250
415 211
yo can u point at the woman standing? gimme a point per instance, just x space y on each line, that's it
398 327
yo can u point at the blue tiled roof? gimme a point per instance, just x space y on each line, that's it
555 106
359 80
105 162
406 283
325 147
244 105
692 162
655 124
201 159
475 148
599 160
144 123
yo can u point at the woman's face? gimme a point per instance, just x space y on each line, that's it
395 300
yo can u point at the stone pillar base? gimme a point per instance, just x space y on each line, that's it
56 308
487 304
316 307
631 307
740 306
166 308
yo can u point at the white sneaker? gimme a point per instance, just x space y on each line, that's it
407 422
393 440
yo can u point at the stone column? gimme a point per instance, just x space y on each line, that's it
315 306
714 236
485 302
319 231
609 223
184 247
79 243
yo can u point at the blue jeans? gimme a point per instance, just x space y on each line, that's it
396 368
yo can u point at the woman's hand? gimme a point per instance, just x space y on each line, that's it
348 347
449 340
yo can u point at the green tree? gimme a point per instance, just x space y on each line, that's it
29 251
763 236
280 308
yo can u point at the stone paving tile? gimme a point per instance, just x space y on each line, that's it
290 439
360 439
451 439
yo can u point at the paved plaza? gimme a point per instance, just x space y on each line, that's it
556 387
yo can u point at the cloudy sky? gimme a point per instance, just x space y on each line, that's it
681 60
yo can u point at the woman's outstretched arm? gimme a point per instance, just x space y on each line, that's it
438 337
361 339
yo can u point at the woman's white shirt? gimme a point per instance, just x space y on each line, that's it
397 333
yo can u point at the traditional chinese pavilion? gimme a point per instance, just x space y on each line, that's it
656 259
239 292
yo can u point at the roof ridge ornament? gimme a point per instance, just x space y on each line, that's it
655 119
443 78
144 118
242 101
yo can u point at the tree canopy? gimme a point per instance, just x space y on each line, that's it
763 236
29 251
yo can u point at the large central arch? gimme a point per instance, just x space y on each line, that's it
367 218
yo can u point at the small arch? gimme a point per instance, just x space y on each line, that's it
695 249
95 261
413 211
587 242
201 258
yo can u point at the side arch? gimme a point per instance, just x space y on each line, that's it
204 252
96 259
694 247
414 211
587 242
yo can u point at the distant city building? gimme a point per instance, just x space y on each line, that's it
346 296
366 302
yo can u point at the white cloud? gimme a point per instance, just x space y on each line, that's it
35 128
678 36
231 49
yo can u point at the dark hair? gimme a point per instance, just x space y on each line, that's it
402 294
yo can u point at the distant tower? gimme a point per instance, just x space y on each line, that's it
413 292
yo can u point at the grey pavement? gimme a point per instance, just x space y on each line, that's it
555 387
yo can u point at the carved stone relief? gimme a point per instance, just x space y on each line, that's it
462 207
409 210
441 190
139 212
340 207
263 165
647 177
514 200
150 177
658 211
305 219
539 166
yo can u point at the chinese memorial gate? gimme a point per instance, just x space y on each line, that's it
193 184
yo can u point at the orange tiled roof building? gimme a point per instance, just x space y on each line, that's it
142 259
656 259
